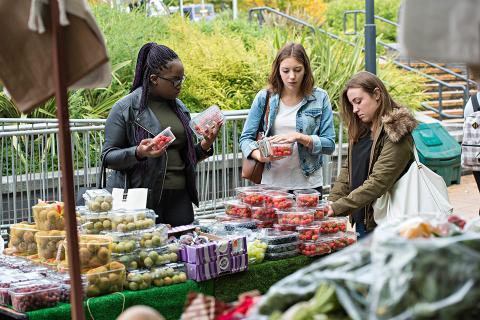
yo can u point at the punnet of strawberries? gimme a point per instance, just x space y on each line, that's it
279 200
333 225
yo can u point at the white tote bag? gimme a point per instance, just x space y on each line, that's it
419 191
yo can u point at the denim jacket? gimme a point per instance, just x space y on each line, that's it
314 118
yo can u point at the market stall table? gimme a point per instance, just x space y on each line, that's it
170 300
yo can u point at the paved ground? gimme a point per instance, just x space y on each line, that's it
465 197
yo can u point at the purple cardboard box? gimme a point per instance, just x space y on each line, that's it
209 252
222 265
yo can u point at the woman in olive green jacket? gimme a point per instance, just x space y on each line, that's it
380 149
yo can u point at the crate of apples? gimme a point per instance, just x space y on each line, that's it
164 139
333 225
315 248
307 197
237 209
278 200
296 216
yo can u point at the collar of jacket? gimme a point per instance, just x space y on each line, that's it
275 103
146 118
395 125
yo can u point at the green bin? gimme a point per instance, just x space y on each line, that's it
439 151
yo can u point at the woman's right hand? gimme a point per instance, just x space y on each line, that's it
148 149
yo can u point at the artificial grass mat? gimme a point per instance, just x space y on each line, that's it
170 300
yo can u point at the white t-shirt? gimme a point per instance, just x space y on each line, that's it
286 173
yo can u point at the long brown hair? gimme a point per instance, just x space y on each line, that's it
368 82
293 50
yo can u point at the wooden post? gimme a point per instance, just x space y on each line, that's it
66 165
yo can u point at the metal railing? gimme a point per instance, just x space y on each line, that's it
465 88
29 163
261 19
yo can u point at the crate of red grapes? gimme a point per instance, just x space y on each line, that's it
238 209
281 149
164 139
264 213
339 242
206 119
321 210
35 295
333 225
315 248
252 196
295 216
307 197
279 200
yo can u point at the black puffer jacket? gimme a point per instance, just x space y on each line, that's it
120 146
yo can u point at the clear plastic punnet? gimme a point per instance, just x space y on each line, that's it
48 243
35 295
264 213
332 225
105 279
237 209
275 237
154 237
94 222
315 248
285 247
130 220
206 119
48 215
279 200
98 200
138 280
281 149
169 274
296 216
22 239
321 210
94 251
164 138
281 255
253 196
307 198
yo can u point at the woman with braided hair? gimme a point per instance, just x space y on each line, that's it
152 105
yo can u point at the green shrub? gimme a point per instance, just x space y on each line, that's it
387 9
226 62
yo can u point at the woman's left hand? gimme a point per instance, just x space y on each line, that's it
284 138
210 134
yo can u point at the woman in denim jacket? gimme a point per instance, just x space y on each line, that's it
299 113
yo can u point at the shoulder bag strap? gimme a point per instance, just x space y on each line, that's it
265 113
476 106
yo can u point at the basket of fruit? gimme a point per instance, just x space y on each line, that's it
48 216
22 239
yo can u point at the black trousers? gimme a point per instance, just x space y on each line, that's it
175 208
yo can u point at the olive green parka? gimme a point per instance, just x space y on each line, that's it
390 158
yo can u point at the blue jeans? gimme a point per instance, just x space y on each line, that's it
361 229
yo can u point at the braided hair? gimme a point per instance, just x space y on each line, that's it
153 58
